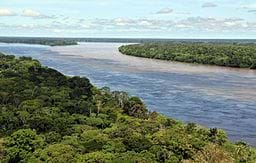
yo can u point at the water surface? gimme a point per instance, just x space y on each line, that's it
209 95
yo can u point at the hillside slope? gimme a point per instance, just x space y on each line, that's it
48 117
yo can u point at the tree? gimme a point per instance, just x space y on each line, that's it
213 153
96 157
57 153
120 130
133 157
135 107
222 54
1 148
21 144
93 140
80 86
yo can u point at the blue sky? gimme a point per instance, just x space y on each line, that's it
127 18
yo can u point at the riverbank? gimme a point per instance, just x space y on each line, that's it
50 112
216 96
39 41
220 54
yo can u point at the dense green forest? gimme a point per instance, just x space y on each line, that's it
221 54
73 41
41 41
48 117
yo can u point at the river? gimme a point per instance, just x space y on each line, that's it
209 95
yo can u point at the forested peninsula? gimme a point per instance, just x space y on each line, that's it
40 41
221 54
46 116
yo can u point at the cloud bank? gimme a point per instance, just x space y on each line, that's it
7 12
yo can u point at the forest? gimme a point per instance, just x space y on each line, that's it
240 55
62 41
40 41
46 116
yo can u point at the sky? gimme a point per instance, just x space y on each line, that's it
218 19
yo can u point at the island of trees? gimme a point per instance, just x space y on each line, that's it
46 116
220 54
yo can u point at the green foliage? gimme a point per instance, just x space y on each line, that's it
133 157
99 157
48 117
225 54
57 153
135 107
42 41
1 148
93 140
21 144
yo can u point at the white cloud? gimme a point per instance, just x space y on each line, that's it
141 25
123 22
57 30
145 23
209 5
7 12
164 25
180 25
31 13
35 14
165 11
249 6
217 25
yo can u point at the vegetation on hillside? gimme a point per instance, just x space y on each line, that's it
40 41
48 117
230 55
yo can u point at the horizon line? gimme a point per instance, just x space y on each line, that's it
142 38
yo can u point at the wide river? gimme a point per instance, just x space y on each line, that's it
211 96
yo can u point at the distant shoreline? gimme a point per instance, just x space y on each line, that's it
48 42
219 54
121 40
